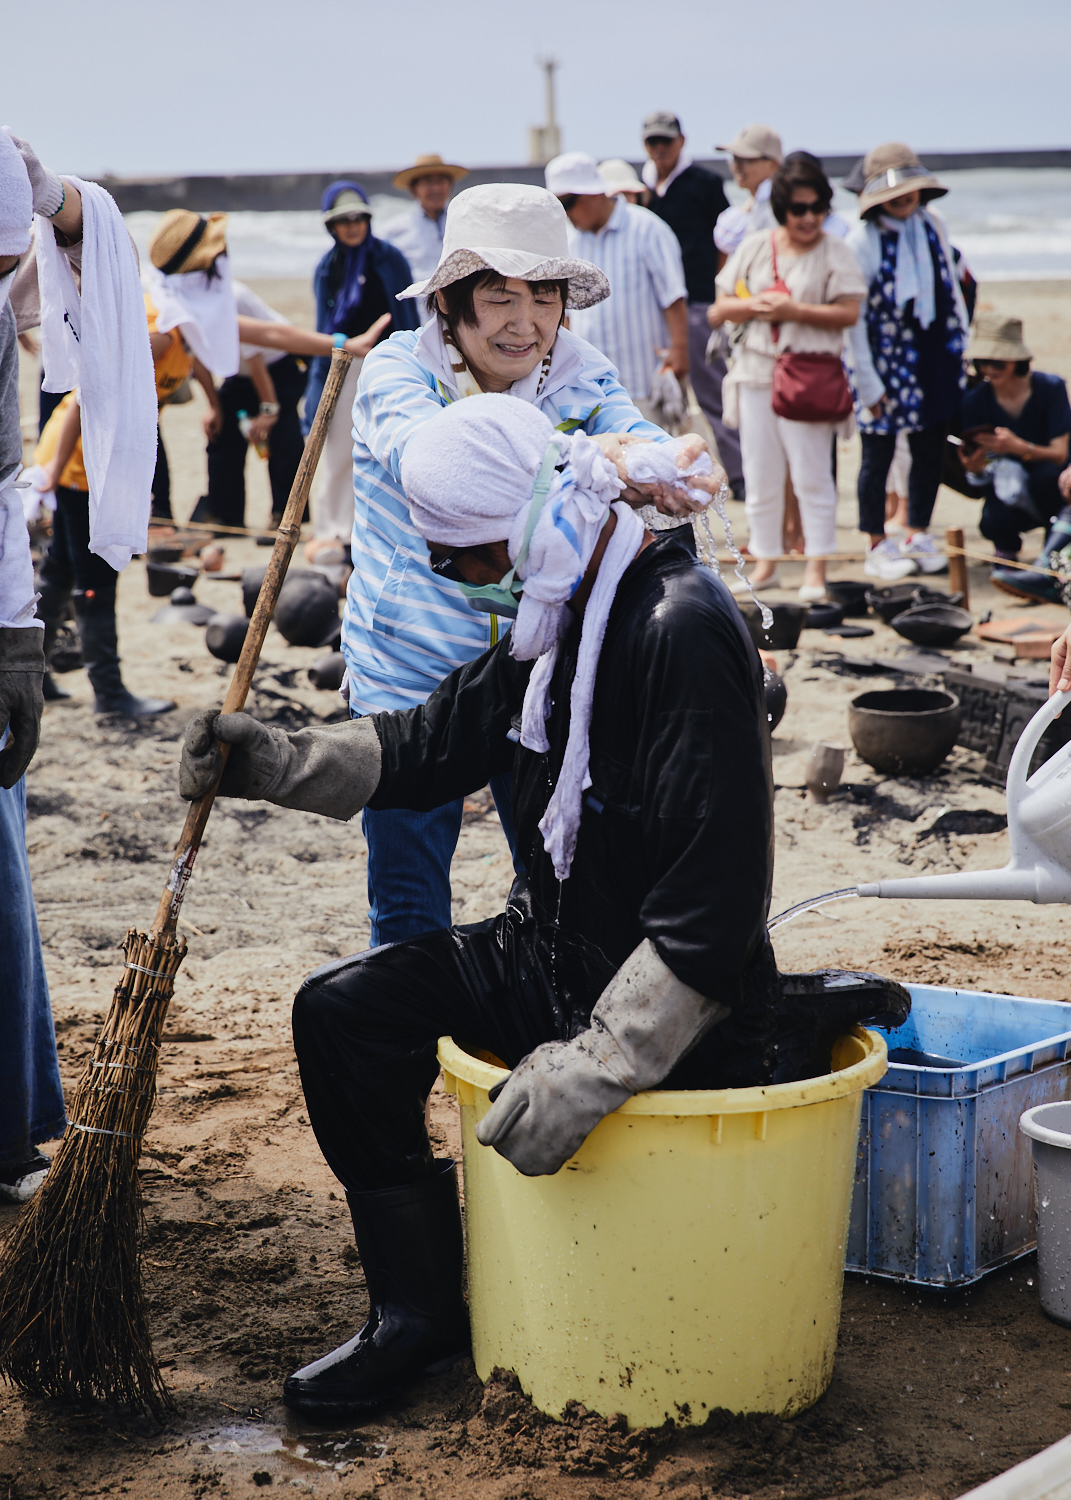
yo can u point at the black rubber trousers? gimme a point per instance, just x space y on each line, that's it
366 1029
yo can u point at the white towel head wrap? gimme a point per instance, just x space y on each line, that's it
468 475
16 200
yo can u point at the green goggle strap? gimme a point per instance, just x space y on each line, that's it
540 491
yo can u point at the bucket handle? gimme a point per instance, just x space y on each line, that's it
1020 761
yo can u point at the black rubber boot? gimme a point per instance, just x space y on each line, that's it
411 1248
100 646
819 1007
51 607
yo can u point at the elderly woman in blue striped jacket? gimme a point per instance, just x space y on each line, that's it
496 304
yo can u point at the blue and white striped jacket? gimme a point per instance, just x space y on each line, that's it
404 629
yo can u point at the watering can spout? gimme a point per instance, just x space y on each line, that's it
1039 829
965 885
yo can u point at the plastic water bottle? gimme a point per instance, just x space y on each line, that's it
245 425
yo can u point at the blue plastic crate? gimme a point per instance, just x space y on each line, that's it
943 1185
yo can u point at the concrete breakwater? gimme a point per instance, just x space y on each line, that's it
301 190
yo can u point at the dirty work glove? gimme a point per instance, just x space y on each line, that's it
22 676
333 770
48 190
644 1021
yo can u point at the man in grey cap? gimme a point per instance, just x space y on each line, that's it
757 154
690 200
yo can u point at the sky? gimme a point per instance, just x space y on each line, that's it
262 86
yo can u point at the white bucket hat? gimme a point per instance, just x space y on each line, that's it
519 232
573 172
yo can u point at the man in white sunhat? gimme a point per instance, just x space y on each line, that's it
690 199
495 307
757 154
643 325
627 705
418 234
31 1098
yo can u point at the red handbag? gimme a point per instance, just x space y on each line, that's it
808 387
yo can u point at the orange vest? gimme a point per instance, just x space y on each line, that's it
174 365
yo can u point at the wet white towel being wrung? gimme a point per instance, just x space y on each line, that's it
468 476
98 341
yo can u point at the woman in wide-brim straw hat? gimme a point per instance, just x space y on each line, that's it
495 306
906 354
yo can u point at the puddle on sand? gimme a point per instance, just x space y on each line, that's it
300 1450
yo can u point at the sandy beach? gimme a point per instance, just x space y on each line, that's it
249 1261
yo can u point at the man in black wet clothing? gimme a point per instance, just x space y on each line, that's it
633 952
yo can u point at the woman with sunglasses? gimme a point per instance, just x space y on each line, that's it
1016 425
906 354
790 289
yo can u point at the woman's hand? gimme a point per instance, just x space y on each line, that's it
212 421
260 427
1059 670
974 458
364 343
1004 440
1064 483
773 307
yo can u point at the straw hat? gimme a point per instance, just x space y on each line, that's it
619 176
429 166
994 337
186 241
517 231
892 170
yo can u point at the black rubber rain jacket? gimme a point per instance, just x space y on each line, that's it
676 837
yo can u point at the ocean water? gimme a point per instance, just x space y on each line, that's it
1011 225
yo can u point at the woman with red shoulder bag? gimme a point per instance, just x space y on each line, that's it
792 292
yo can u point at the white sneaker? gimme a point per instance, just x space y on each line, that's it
19 1184
812 593
745 590
923 551
887 562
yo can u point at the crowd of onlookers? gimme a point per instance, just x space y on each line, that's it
774 325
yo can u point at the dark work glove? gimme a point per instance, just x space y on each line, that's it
331 770
22 675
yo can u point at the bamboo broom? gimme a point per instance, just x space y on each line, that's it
73 1319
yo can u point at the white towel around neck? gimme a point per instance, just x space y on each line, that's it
98 341
203 307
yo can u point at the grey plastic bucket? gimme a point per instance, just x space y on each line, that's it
1049 1129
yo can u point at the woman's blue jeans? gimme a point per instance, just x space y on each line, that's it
409 856
31 1098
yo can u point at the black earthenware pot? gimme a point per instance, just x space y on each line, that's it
850 594
932 624
892 600
784 632
904 731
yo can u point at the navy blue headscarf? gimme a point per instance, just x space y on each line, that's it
349 269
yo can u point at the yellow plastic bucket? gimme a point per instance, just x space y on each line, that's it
689 1257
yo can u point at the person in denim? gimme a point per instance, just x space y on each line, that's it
494 323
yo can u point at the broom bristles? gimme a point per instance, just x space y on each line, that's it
73 1319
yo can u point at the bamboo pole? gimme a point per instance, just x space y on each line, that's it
287 538
958 581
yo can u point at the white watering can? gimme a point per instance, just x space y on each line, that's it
1039 829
